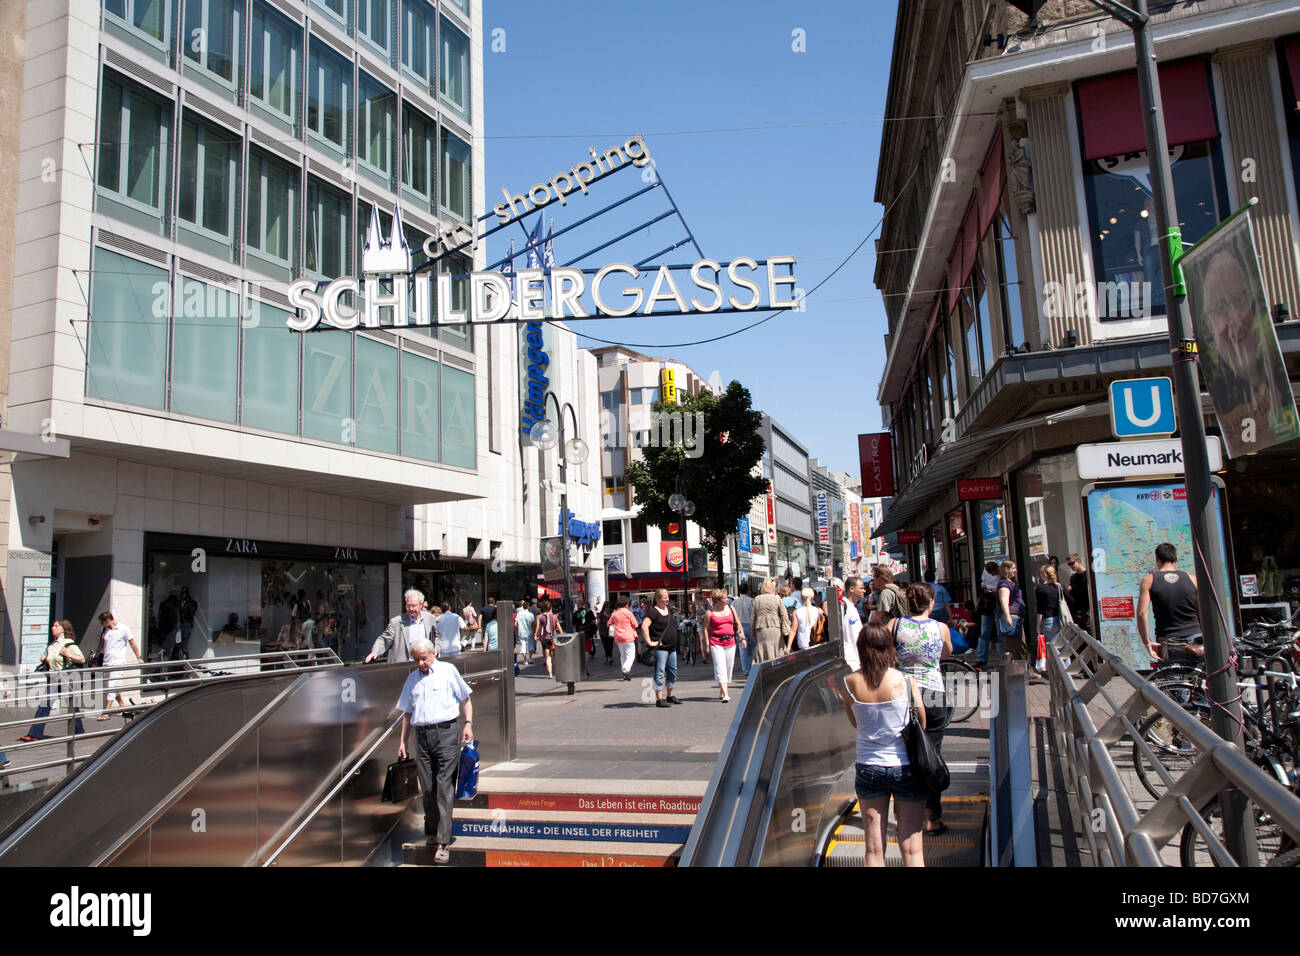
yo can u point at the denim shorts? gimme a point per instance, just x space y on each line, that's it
874 782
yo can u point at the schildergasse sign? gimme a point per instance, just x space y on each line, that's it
389 294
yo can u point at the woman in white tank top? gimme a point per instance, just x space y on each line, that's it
877 704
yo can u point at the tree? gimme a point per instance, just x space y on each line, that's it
717 471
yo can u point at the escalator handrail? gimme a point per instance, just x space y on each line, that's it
726 830
304 819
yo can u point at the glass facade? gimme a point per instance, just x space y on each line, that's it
453 67
205 350
126 353
455 196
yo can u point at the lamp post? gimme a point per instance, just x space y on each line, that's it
546 435
683 506
1225 712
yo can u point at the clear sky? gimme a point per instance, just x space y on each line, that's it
767 151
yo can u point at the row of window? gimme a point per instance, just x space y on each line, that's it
177 344
215 33
134 169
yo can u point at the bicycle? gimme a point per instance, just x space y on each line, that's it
687 641
961 689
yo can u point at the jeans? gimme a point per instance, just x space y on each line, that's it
437 759
936 715
491 632
1051 627
871 782
38 729
665 660
988 636
745 653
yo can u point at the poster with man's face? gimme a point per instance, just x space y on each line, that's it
1240 358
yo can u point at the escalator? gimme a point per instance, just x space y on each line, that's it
276 767
782 790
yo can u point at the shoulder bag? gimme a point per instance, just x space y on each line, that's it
927 765
1066 616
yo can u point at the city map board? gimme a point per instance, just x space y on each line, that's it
1125 524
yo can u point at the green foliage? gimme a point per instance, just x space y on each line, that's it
721 481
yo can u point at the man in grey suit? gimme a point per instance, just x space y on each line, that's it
402 631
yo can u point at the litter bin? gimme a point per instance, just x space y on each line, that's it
568 659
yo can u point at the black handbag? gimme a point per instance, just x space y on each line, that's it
928 766
401 783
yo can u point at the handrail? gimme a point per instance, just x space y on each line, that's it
1133 838
381 736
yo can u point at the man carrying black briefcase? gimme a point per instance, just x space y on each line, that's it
432 699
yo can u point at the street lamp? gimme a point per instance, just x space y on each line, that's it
683 506
546 435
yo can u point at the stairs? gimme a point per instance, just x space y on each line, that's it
961 845
579 823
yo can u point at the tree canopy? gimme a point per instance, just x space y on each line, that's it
721 479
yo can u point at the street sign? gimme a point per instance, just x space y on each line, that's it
1122 460
742 534
1141 407
992 527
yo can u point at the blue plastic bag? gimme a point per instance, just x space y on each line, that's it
467 777
959 645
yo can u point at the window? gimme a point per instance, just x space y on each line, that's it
415 242
209 172
211 36
376 395
419 144
272 203
126 360
273 80
611 532
419 406
462 5
269 381
637 527
329 230
375 126
651 396
453 67
458 423
149 17
338 9
455 197
1121 211
133 144
205 350
327 388
1009 282
460 267
329 97
372 21
417 38
634 396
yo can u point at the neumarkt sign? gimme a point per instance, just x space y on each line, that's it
1121 461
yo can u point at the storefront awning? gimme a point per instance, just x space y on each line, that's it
951 462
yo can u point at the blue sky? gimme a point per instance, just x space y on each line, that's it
787 167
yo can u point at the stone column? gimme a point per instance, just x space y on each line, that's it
1257 163
1055 193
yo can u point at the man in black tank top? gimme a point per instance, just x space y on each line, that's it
1171 595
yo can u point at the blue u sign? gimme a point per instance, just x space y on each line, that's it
1142 406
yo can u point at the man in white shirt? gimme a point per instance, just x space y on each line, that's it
850 620
448 628
402 631
119 647
432 699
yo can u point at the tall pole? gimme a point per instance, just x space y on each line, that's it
1207 544
686 564
564 523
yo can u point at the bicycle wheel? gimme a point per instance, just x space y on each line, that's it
1274 844
1174 751
962 689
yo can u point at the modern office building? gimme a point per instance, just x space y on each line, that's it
786 466
1020 267
180 162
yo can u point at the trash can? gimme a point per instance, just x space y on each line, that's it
568 659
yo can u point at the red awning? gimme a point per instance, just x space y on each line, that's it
1291 50
1111 111
970 240
991 179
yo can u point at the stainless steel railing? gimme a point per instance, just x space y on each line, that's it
1089 684
83 691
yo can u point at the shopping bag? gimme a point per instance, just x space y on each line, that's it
467 777
401 782
1040 664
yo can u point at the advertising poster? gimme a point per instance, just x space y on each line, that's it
1125 524
672 557
1238 348
552 558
